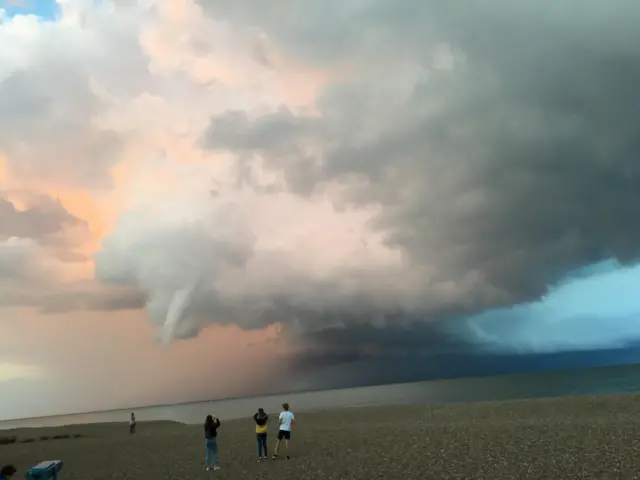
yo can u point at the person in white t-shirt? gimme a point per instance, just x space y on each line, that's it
285 422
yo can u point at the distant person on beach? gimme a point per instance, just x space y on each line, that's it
132 424
7 472
285 422
261 420
211 425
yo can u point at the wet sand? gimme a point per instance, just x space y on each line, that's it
564 438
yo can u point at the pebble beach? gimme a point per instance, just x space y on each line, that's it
559 438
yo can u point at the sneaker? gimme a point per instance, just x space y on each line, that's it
217 467
287 457
259 459
208 469
264 458
274 457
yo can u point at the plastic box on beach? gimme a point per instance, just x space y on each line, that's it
46 470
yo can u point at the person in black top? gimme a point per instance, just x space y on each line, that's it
211 425
261 420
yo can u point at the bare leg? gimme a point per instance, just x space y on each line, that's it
275 450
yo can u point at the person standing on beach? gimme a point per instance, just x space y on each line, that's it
261 420
7 472
211 425
132 424
285 422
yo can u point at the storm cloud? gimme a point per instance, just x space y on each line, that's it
511 168
490 150
335 193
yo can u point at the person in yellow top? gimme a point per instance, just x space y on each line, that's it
261 420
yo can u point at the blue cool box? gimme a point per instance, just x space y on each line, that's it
44 470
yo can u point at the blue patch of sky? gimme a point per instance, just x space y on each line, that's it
45 9
594 307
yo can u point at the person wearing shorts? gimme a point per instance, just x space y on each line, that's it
285 422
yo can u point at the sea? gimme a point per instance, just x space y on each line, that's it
588 381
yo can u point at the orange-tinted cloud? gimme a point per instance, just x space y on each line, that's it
102 111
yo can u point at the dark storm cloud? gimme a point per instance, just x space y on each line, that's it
369 339
362 345
516 166
507 163
497 144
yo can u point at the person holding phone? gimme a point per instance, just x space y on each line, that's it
211 425
261 420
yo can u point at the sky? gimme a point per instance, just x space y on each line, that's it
43 9
201 199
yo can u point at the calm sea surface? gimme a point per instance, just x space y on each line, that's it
601 380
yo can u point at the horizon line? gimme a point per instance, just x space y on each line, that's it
239 397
